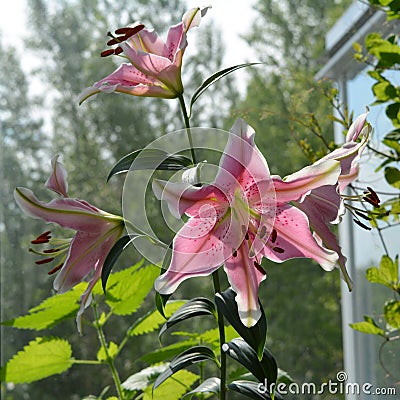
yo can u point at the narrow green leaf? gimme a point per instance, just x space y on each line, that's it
368 326
189 357
264 369
392 313
193 308
161 301
128 288
41 358
254 336
149 159
214 78
153 320
252 390
112 258
210 385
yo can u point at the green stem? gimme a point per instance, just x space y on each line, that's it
109 360
221 328
187 125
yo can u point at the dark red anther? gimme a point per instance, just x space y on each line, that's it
259 267
274 235
107 53
118 50
49 251
359 223
113 41
371 201
234 254
246 236
360 214
40 241
373 195
44 234
130 30
278 249
54 270
44 261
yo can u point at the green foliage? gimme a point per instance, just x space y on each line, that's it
41 358
387 274
391 7
51 311
128 288
368 326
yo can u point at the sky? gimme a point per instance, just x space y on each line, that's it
233 17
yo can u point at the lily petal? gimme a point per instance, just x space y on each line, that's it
294 240
68 213
245 279
57 181
299 184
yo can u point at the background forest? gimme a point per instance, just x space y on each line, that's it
281 101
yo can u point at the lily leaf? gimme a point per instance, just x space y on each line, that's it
40 359
213 78
112 258
150 159
254 336
193 308
210 385
252 390
264 370
189 357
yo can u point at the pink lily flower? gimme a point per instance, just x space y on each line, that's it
324 205
96 233
240 218
155 65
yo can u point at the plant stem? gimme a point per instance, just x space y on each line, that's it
221 328
187 125
109 359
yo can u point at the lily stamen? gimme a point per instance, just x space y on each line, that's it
44 261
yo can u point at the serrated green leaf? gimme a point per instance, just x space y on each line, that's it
128 288
167 352
51 311
193 308
153 320
368 326
112 258
40 359
254 336
392 176
189 357
392 313
144 378
210 385
264 369
112 352
172 389
150 159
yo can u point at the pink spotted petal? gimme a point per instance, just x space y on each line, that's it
148 41
176 40
87 253
182 197
199 248
294 240
325 202
356 127
245 279
68 213
297 185
58 179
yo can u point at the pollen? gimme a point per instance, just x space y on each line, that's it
44 261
